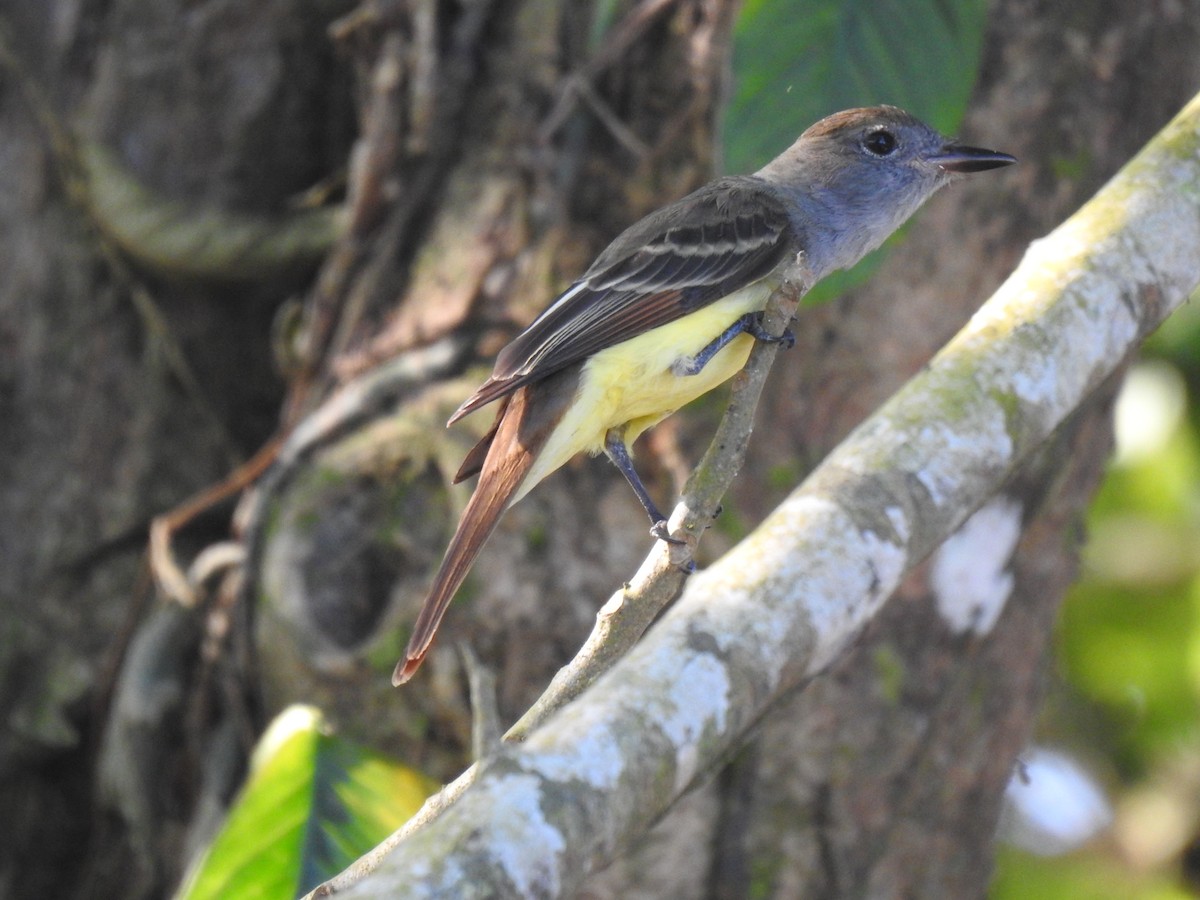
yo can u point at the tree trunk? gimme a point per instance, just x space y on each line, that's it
499 146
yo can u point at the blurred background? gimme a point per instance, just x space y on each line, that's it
1115 811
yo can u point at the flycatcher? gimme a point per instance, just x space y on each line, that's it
672 307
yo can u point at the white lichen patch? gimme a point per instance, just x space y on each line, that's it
719 598
698 698
1052 804
969 574
808 554
590 754
899 521
522 842
947 449
684 694
1149 412
852 583
691 692
1038 384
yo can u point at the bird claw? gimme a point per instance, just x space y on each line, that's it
686 564
660 530
786 341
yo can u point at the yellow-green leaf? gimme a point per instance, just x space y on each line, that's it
313 804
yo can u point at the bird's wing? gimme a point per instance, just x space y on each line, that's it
721 238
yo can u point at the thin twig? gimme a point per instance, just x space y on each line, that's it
168 575
582 88
578 86
485 715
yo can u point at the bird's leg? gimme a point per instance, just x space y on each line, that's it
618 452
750 323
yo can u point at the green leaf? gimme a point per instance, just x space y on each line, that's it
1129 636
1080 876
1129 650
312 805
794 63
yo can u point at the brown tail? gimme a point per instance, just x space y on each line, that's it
521 431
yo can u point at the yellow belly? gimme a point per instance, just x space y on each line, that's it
632 385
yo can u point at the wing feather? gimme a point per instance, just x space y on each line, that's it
723 237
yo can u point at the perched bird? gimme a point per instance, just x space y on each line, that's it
672 307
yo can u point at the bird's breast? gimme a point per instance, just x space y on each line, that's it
632 383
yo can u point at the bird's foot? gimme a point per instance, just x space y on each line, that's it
681 554
754 327
661 530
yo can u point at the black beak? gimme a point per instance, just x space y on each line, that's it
964 160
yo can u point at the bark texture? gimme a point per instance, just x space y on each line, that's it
488 150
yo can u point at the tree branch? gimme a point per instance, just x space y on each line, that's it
780 606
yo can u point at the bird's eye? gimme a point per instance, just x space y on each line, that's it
880 143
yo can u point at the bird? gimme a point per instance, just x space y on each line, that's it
672 307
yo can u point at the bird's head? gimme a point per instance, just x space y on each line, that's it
857 175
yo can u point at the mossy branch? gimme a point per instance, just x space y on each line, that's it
778 608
